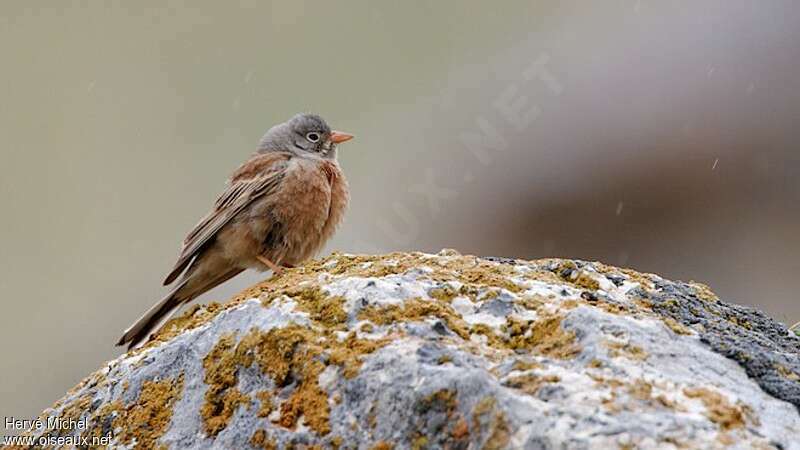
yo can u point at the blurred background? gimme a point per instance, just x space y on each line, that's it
660 136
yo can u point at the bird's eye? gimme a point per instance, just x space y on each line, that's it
312 137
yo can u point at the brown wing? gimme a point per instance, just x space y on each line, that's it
257 177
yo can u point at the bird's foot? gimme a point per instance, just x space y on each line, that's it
276 269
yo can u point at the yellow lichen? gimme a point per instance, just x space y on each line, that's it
149 416
416 309
532 302
627 350
615 308
580 278
347 353
486 274
443 401
523 365
500 433
144 420
472 273
308 400
445 293
419 443
444 359
222 397
468 270
75 409
638 390
193 317
665 401
265 400
492 339
324 309
261 440
372 415
586 281
484 417
718 409
293 357
483 407
641 389
786 372
544 335
290 354
292 351
675 326
704 292
644 279
531 383
610 403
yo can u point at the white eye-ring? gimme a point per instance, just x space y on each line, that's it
312 137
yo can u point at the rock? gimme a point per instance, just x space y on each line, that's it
450 351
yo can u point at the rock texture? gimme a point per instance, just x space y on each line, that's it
450 351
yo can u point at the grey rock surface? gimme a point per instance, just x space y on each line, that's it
450 351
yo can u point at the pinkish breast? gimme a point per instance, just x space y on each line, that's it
310 206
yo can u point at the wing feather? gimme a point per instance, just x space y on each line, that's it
238 195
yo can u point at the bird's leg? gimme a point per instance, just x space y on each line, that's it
277 270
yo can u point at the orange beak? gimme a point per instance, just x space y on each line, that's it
338 137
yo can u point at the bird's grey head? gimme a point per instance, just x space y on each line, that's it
303 135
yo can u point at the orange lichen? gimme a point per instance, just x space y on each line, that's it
460 430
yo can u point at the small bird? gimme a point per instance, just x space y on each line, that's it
279 209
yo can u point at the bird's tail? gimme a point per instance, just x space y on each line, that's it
138 333
193 284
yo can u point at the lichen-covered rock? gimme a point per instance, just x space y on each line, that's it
451 351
